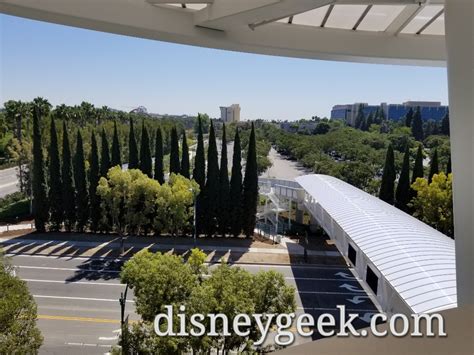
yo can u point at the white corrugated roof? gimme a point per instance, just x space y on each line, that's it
417 260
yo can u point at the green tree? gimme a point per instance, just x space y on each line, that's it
402 194
94 177
359 121
224 189
448 166
445 124
69 200
250 188
132 148
145 153
185 157
211 190
159 173
55 182
105 164
116 156
82 197
417 125
157 280
199 175
418 170
434 165
19 333
174 154
40 211
387 186
433 203
409 117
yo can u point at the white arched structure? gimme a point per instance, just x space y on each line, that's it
413 265
414 32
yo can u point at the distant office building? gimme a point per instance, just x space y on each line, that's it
230 113
430 110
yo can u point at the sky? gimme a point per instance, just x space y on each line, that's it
70 65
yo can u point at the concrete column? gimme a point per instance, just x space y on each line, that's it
460 61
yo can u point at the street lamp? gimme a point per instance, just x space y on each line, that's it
123 301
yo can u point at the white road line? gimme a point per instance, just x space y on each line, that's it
329 293
310 266
109 338
81 298
118 271
75 282
317 279
67 269
8 184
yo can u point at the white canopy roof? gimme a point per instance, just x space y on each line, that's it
417 260
380 31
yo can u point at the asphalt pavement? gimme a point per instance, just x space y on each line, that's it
79 312
8 181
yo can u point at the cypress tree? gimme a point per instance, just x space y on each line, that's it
402 194
445 124
235 199
211 190
434 166
82 198
55 183
105 155
250 187
224 201
417 170
409 117
417 125
145 153
68 184
199 175
369 121
448 166
174 153
185 157
359 122
132 148
199 171
116 156
94 176
40 210
387 187
159 173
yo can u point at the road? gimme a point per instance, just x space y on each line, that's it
283 168
79 312
8 181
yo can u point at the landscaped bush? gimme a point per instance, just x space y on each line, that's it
15 211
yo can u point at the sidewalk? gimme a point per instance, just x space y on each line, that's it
62 244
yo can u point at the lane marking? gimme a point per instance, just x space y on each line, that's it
118 271
330 293
66 269
79 319
67 258
81 298
334 309
75 282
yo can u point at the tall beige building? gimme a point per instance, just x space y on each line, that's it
230 113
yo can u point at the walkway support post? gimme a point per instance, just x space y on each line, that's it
460 62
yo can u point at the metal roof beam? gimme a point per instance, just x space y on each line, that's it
407 14
433 19
231 14
180 1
